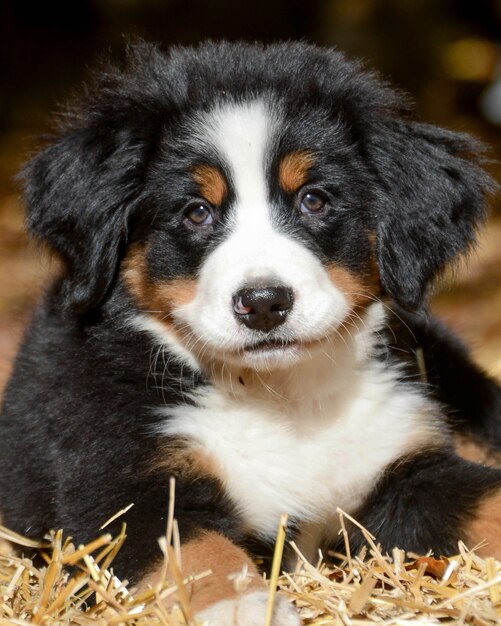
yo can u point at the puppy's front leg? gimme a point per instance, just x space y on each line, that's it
215 599
432 501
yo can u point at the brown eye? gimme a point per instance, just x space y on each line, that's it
200 215
312 203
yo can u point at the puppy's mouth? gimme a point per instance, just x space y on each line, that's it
267 345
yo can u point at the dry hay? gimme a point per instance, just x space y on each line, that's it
369 588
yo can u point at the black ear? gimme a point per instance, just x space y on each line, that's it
83 188
79 193
433 202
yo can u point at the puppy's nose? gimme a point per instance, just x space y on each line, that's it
262 308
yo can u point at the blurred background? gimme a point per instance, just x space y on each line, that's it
445 53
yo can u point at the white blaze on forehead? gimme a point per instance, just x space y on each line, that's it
242 134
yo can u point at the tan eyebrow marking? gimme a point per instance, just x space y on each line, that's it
211 182
293 170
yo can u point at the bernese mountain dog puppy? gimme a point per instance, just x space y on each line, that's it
249 234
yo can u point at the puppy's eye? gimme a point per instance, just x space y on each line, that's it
312 203
200 215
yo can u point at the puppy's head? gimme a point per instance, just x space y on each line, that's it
257 199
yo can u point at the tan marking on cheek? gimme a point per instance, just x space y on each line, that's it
211 183
211 551
486 527
177 293
157 298
293 170
134 273
354 288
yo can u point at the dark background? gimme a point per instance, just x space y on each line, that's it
445 53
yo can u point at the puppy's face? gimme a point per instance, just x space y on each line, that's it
260 249
252 200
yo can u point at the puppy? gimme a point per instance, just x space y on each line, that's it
235 223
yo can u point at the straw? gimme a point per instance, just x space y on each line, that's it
366 588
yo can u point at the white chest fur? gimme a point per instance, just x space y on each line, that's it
305 457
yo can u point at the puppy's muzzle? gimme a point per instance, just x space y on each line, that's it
263 308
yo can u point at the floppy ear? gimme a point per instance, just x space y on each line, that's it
79 192
82 190
433 202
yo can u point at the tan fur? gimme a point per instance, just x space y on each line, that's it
293 170
372 237
358 290
179 457
211 183
486 527
477 452
214 552
157 298
175 293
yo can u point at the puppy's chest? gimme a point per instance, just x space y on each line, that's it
305 460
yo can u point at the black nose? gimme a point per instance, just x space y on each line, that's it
262 308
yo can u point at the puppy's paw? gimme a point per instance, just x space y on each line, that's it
249 610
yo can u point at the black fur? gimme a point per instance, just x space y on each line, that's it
77 425
415 240
424 503
81 478
472 399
